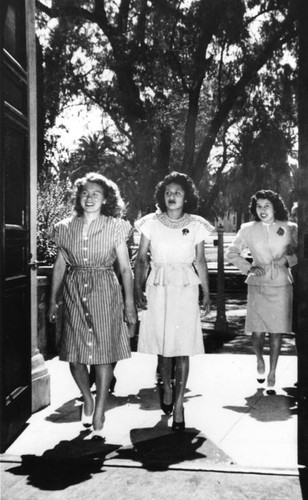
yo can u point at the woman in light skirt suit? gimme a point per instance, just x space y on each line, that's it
272 242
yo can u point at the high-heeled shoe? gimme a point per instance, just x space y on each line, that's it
178 426
96 435
167 408
271 391
86 420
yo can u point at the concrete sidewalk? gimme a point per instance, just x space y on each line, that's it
239 442
231 423
232 429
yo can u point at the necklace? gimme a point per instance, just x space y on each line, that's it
174 223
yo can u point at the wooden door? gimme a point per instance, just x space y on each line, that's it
15 333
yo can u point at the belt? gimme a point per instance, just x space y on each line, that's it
90 268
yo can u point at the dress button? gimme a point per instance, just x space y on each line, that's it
85 259
85 248
86 284
84 299
90 330
87 314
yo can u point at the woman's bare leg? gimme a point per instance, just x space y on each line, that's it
258 339
80 374
103 377
275 347
165 365
181 376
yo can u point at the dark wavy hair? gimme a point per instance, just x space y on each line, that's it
280 210
113 205
191 202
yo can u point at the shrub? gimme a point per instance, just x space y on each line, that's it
53 204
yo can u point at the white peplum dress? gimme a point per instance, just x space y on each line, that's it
171 324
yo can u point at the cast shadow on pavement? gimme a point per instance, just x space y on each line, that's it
148 399
67 464
158 448
70 411
236 341
267 408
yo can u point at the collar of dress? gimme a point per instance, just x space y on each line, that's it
174 224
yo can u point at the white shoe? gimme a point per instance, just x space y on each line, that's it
86 419
97 435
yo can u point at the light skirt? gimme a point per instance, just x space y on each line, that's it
171 324
269 309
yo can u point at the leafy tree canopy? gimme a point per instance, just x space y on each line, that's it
178 79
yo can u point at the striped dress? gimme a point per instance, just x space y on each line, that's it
93 328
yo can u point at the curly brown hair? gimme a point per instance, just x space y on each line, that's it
113 205
280 210
191 194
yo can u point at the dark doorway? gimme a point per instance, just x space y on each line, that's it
15 333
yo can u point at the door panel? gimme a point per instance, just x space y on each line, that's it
15 333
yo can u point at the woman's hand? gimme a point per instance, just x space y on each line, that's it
283 261
257 270
130 313
140 299
206 303
53 313
130 316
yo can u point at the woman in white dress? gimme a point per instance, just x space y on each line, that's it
170 325
272 242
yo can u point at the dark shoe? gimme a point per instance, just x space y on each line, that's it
167 408
178 426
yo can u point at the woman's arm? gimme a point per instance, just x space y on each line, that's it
141 267
293 247
234 251
203 274
127 280
57 277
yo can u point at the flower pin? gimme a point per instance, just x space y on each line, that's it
280 231
185 231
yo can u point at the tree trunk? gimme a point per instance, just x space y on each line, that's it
163 154
190 131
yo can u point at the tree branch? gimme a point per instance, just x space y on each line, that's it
66 10
285 34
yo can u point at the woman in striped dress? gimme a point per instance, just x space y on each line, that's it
95 318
